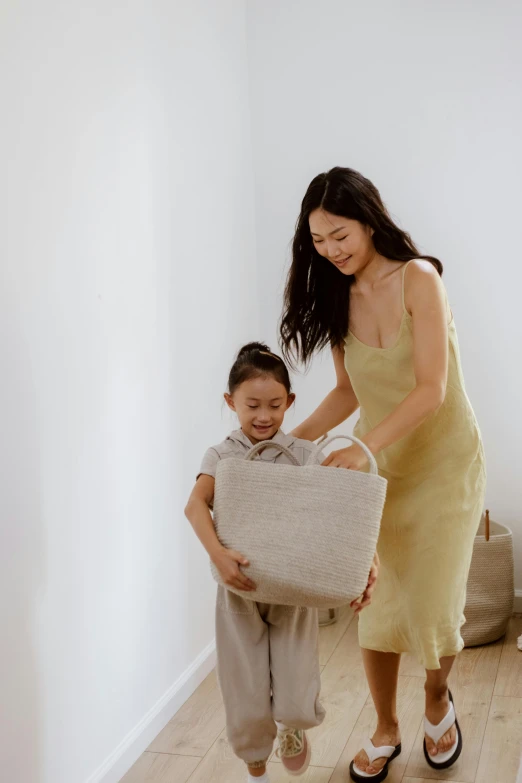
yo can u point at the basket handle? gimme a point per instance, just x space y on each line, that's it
486 524
313 459
265 444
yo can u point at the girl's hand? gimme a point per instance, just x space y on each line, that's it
352 457
227 562
365 600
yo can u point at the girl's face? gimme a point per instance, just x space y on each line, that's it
346 243
260 404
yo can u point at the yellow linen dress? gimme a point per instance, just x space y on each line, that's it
436 483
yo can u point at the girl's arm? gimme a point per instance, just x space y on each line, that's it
227 561
429 312
336 407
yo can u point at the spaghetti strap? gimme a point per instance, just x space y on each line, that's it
404 268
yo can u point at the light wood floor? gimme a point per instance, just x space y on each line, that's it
486 684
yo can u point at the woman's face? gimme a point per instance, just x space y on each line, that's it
347 244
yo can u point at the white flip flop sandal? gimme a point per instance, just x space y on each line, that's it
389 752
435 733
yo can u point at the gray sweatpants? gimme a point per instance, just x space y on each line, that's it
268 670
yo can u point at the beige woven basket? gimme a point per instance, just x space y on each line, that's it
309 531
491 591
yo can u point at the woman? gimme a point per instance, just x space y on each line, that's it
358 284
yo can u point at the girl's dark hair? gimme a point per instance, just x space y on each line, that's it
317 296
254 360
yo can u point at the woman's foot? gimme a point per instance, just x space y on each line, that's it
437 706
384 735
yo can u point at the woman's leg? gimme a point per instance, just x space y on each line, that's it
382 672
437 704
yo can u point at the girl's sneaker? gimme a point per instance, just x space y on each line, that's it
294 751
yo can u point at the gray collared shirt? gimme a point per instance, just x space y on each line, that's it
237 444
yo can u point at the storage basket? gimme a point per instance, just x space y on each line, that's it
309 532
490 590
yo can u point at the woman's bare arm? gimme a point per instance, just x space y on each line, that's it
336 407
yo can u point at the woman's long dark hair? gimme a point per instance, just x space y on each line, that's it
317 295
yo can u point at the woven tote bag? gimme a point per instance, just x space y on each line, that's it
309 532
491 590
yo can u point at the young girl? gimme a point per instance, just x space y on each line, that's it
267 657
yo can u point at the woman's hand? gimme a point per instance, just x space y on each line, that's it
352 458
227 562
365 600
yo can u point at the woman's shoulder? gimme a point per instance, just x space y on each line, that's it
421 269
423 289
422 282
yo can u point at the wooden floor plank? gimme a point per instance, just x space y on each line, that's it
331 635
313 775
220 765
486 683
195 728
509 677
410 666
161 768
502 747
424 780
410 706
472 681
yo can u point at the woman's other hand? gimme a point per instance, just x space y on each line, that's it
365 600
352 458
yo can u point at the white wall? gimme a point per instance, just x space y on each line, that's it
128 280
424 99
127 246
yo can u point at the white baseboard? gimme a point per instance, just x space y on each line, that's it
139 738
518 601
